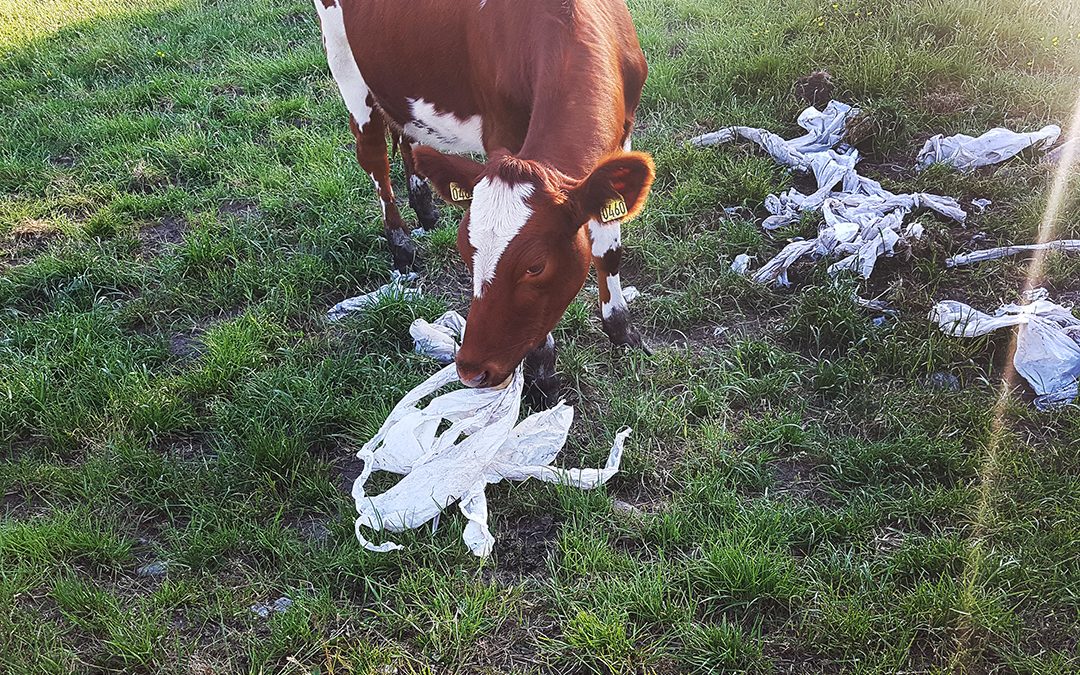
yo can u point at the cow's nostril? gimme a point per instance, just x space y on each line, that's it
472 377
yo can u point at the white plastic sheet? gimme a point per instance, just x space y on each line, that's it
440 339
968 153
741 264
1006 251
1047 342
862 220
483 444
396 288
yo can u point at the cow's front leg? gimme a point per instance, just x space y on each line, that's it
371 154
541 382
607 257
419 191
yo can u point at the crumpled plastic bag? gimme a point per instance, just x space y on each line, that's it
968 153
440 339
1047 342
483 444
862 220
396 288
741 264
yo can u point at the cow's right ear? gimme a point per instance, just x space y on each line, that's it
453 177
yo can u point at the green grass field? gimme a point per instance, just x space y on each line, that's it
804 490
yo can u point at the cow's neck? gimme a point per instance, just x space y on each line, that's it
577 120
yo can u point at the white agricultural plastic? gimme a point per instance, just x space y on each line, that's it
483 443
396 288
1047 342
862 220
1006 251
440 339
967 153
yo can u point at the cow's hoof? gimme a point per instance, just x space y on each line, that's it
420 202
622 333
542 394
541 383
403 251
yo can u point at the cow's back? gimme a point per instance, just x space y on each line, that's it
448 71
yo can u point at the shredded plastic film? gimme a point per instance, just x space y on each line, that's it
459 443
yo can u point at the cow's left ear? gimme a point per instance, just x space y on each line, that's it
616 189
453 177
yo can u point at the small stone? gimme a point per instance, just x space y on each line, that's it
261 610
154 569
945 381
619 506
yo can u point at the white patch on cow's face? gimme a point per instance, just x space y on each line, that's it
605 236
442 130
499 210
339 56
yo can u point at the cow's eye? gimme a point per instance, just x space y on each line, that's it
536 270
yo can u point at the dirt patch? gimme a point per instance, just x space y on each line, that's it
62 161
798 478
26 240
815 89
523 547
239 208
185 346
17 505
167 231
229 90
33 229
945 100
345 468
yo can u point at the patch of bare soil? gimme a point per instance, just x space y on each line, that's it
522 547
167 231
815 89
185 346
239 208
799 478
345 468
945 99
17 505
63 161
229 90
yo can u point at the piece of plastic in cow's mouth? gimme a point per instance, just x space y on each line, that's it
451 449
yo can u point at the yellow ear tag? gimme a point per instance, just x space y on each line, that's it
613 210
459 195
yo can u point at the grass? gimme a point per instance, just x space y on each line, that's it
179 207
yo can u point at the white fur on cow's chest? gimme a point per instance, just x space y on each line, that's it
443 130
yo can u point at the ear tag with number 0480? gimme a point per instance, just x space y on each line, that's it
459 195
613 210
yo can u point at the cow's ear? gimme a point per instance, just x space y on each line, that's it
616 189
453 177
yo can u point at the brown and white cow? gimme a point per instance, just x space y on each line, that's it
547 90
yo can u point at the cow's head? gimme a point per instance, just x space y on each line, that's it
524 238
